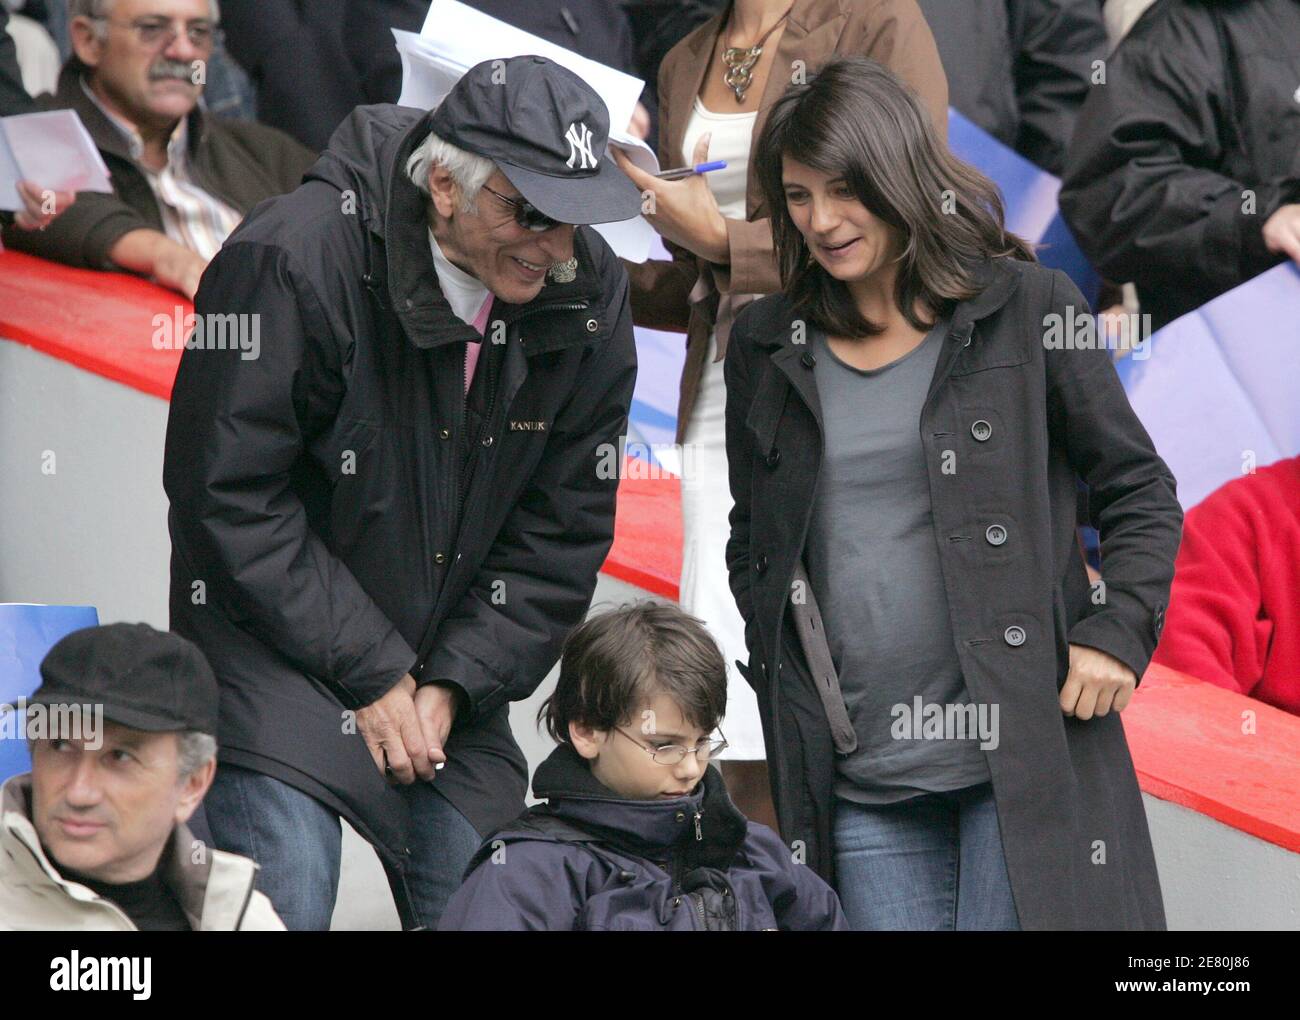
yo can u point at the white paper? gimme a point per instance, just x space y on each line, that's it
52 149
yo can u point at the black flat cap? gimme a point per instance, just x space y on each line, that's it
144 678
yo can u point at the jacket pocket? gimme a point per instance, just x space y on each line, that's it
1005 348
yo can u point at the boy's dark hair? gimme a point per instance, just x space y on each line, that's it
615 661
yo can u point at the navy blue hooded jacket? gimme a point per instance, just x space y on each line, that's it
591 860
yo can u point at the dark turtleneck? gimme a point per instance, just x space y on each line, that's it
149 903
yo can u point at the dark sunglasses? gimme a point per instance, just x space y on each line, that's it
527 215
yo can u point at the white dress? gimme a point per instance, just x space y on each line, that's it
706 495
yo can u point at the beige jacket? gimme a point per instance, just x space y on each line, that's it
692 295
216 895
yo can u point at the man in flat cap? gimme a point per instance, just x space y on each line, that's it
385 523
94 837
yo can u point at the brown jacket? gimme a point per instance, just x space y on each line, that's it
685 295
240 162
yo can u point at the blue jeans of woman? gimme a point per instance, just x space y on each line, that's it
930 863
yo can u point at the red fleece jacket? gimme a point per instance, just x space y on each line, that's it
1234 611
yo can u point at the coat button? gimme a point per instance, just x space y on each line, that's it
774 458
1014 636
444 433
439 557
808 360
487 440
996 534
592 325
760 564
981 430
681 816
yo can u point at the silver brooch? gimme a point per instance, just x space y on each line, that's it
564 272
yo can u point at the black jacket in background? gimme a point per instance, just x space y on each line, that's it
352 517
1020 69
1199 118
13 97
294 52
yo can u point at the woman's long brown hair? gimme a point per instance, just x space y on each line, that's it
855 120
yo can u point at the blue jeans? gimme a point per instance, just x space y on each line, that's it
297 842
931 863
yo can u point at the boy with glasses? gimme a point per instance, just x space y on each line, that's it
637 832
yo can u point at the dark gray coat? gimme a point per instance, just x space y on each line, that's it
1066 793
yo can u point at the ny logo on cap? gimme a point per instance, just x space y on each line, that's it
579 138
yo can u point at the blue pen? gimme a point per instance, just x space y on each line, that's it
687 171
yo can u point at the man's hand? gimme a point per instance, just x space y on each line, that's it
1096 683
392 730
436 708
40 205
179 268
153 253
685 212
1282 232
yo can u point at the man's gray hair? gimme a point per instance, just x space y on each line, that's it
194 750
100 9
469 170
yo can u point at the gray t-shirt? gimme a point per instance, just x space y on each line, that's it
873 563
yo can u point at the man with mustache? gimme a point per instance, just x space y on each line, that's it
182 179
94 837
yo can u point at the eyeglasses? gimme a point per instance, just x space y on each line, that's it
671 754
527 215
161 33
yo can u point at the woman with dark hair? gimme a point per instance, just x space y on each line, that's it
906 423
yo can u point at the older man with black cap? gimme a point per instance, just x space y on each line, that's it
94 837
384 524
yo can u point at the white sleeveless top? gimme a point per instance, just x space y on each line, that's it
732 139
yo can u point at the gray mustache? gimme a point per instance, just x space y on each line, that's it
171 69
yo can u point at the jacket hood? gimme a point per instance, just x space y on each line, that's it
706 826
366 161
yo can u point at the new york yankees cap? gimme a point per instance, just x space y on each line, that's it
547 130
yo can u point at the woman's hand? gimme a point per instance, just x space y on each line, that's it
684 212
1096 683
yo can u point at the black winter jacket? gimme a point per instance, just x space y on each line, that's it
1020 69
591 860
341 515
1189 148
